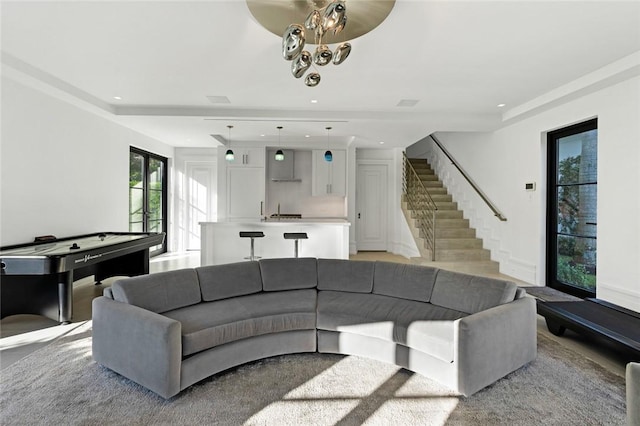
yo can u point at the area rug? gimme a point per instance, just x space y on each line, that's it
61 385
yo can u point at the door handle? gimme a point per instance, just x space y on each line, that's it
358 215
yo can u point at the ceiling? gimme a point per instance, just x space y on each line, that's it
458 59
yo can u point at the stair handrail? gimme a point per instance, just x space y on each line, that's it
482 195
420 201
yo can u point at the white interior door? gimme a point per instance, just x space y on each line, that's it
200 197
372 207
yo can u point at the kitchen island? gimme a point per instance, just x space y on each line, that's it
221 243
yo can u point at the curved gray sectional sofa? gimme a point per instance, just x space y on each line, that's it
169 330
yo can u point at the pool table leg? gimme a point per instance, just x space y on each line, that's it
65 297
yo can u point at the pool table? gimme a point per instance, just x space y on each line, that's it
37 278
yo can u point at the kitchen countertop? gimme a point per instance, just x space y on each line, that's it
306 220
274 221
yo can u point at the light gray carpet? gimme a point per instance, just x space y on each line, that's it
61 385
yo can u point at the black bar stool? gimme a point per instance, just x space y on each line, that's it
253 235
295 236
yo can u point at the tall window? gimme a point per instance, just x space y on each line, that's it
572 208
148 194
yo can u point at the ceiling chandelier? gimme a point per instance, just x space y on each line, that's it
322 21
318 22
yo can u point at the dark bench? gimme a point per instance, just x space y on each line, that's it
595 318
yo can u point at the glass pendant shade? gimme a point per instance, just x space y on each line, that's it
279 155
229 154
328 155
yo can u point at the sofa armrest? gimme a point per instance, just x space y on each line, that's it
491 344
141 345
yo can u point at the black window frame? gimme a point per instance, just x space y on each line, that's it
552 206
165 191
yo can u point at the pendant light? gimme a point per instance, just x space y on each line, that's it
328 155
279 153
229 154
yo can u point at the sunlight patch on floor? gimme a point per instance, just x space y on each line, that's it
388 392
305 412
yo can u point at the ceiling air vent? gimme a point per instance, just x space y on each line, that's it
408 102
218 99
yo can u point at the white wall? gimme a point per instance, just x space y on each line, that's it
503 161
64 171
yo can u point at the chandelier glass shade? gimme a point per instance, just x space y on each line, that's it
318 22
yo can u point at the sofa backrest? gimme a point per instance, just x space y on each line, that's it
469 293
229 280
413 282
160 292
288 273
345 275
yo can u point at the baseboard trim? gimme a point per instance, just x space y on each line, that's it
519 269
619 296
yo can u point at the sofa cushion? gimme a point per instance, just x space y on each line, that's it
345 275
420 325
159 292
229 280
469 293
210 324
411 282
288 273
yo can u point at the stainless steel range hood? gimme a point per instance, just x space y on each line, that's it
282 171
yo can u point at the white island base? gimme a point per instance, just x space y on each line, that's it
221 242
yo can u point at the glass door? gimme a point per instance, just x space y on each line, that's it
572 209
148 194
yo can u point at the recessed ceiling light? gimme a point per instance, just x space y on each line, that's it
307 136
501 105
262 135
314 101
118 98
381 142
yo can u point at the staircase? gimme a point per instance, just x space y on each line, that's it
456 244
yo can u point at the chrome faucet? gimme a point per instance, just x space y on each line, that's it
278 211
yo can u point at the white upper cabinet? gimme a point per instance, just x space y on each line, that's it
329 178
247 157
